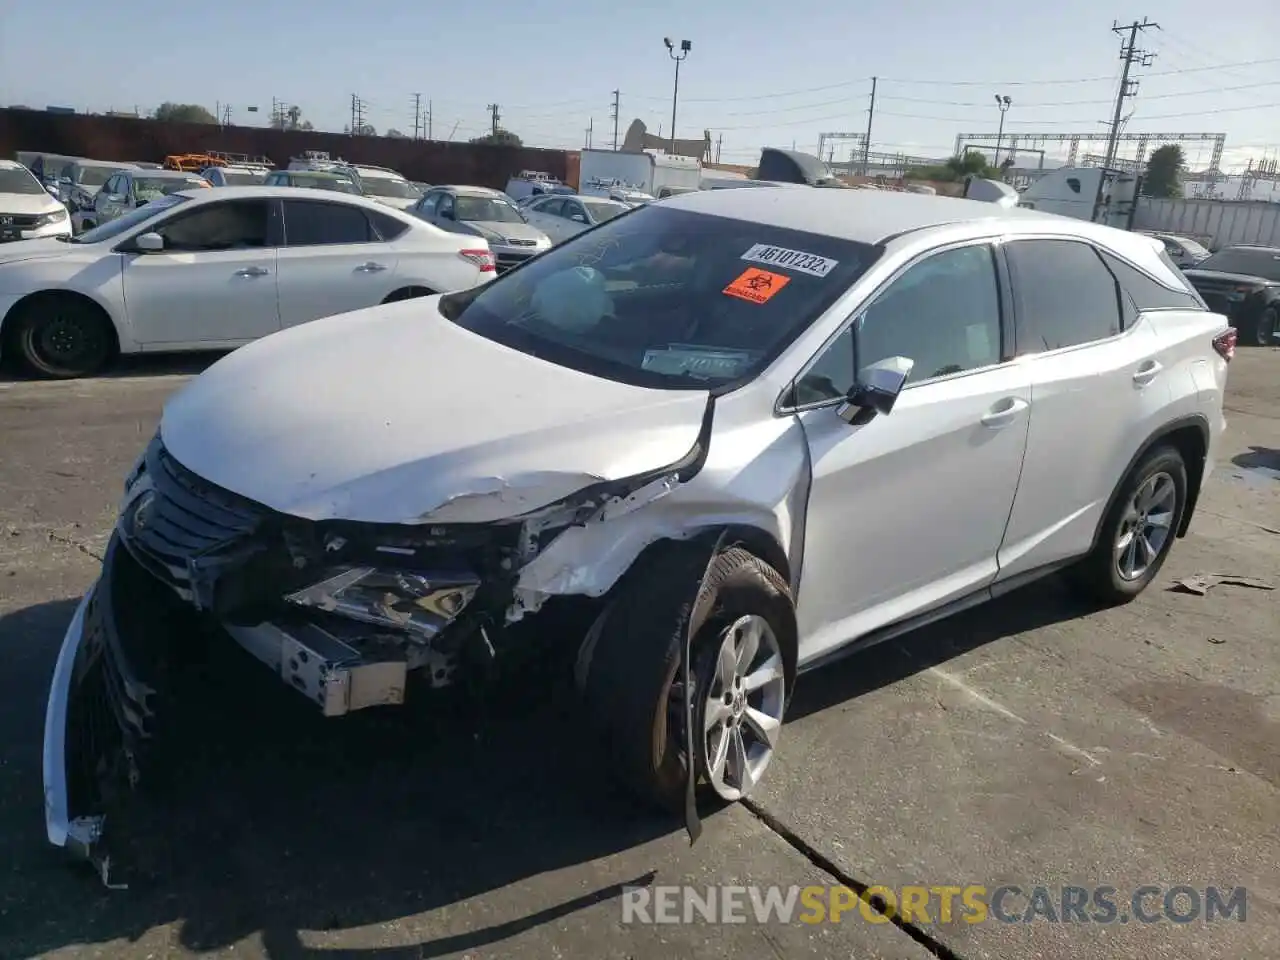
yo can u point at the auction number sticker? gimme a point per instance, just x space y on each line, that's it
809 263
756 286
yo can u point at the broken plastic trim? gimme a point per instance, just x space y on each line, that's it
692 823
592 501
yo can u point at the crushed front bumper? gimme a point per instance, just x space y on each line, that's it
102 701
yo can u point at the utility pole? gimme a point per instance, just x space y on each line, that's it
428 119
417 115
866 141
719 141
614 116
685 47
590 125
493 110
1130 54
226 115
357 115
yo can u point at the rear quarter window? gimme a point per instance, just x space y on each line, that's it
1147 293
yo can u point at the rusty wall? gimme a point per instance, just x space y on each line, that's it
130 138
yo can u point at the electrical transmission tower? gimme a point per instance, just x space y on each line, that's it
496 116
614 117
357 115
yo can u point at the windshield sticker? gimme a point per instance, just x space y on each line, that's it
756 285
678 360
809 263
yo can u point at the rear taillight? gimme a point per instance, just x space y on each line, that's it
1225 344
483 259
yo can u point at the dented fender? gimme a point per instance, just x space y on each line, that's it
757 477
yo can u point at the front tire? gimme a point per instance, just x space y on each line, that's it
1139 530
1266 327
744 655
62 337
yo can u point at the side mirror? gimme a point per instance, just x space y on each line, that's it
149 242
876 391
116 197
578 218
51 189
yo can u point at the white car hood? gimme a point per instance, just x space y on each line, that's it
28 203
44 249
396 415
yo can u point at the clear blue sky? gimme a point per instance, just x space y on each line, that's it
759 73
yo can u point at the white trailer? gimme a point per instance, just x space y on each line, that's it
1214 223
601 172
1082 192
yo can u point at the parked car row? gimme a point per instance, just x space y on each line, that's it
181 266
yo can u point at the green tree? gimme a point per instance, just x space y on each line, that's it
1164 172
364 130
291 119
956 168
184 113
395 134
500 138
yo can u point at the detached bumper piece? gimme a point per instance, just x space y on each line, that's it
101 716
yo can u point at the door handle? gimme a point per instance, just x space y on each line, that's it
252 272
1147 372
1004 413
370 267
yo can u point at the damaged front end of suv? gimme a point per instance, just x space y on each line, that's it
344 612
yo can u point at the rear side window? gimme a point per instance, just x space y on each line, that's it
388 227
1065 295
315 223
1146 292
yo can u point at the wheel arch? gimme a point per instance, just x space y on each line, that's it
409 291
1190 437
8 324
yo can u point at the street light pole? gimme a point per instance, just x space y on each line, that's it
685 47
1004 103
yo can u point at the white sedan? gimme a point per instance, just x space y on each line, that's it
561 217
215 269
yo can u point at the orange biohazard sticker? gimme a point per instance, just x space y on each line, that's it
756 285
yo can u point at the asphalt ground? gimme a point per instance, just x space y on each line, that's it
1029 743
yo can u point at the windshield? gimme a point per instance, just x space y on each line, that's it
122 224
665 298
245 179
600 212
489 209
149 188
19 180
388 187
1259 262
95 176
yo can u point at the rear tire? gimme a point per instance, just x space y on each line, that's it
62 337
1138 532
1266 327
631 677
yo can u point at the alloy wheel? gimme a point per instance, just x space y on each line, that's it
1145 526
742 707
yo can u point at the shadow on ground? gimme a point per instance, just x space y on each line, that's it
134 365
277 821
1258 457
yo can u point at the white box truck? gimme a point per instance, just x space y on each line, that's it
623 175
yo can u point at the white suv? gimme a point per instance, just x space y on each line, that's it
738 433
